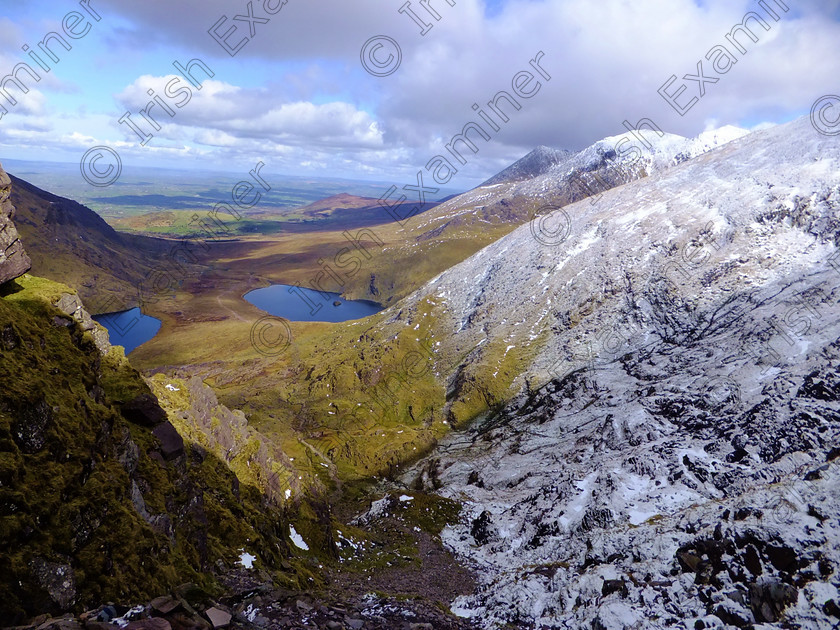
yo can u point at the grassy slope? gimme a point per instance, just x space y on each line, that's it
67 499
70 243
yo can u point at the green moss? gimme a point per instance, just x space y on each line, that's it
69 461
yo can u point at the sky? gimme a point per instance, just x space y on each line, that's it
297 95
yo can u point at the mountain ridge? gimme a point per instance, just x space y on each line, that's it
669 384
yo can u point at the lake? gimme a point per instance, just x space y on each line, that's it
299 304
129 329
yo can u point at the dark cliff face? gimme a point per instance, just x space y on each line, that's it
13 259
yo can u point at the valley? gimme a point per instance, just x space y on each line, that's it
523 430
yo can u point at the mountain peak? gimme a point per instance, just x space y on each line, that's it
537 162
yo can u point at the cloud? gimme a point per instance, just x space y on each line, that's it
227 115
297 89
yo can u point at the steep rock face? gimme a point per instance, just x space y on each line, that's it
100 497
669 455
199 416
13 259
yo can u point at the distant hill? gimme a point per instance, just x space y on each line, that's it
346 211
334 203
69 242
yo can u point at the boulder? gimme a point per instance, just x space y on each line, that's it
768 599
218 617
71 305
63 623
13 259
164 605
31 426
144 410
171 443
57 579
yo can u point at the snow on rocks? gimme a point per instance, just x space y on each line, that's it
671 455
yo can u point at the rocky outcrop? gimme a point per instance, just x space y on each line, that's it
71 305
198 415
13 259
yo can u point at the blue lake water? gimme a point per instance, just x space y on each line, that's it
298 304
129 328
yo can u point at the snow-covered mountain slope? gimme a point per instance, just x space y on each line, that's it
669 457
537 162
431 242
551 177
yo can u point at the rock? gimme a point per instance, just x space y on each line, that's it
689 561
155 623
71 305
62 322
144 410
733 615
336 303
182 620
831 608
31 425
9 339
171 443
356 624
164 605
57 579
769 599
815 474
752 560
13 259
614 586
783 558
63 623
217 617
481 528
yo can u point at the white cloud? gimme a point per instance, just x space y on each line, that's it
606 60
